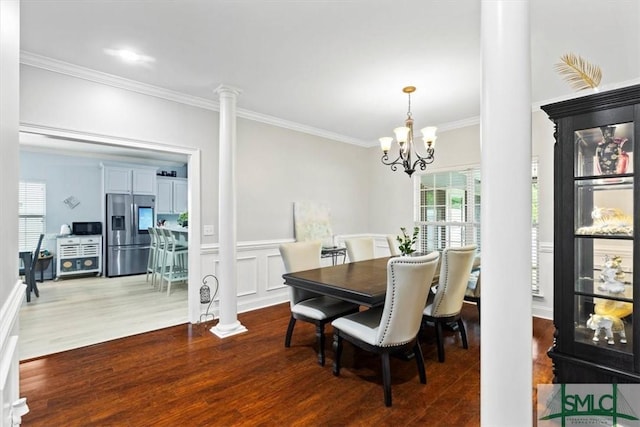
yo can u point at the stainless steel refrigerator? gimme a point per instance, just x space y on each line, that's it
127 241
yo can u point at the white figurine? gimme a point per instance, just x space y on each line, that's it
611 275
610 324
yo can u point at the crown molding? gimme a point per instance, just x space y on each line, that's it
536 105
61 67
264 118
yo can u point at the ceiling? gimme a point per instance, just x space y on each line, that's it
338 66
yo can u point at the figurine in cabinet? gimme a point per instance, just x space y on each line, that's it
608 221
609 324
612 275
611 157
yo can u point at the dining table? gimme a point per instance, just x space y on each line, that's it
362 282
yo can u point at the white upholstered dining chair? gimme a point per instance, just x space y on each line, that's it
360 249
455 269
395 326
394 249
308 306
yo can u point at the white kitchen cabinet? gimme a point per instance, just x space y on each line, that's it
79 255
144 181
171 195
117 180
129 180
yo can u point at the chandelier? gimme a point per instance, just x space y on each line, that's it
404 137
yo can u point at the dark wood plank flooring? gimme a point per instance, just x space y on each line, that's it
185 375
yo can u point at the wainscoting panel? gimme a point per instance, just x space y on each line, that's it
247 275
9 358
275 270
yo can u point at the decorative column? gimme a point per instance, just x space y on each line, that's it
506 324
228 323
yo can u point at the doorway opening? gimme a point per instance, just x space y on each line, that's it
97 148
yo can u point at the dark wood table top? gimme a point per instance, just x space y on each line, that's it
363 282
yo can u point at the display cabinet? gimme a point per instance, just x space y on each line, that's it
596 238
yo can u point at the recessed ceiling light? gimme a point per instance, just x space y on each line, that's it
130 56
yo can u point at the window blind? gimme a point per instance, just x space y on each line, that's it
449 209
32 211
449 213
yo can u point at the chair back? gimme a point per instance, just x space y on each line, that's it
455 269
34 261
475 292
300 256
393 245
359 249
154 236
408 283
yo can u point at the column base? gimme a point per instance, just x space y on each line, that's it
224 331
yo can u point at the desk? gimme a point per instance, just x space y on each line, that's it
363 282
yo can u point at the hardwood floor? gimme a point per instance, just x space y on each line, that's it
76 312
184 375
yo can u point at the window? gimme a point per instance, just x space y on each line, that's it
535 277
31 210
449 212
449 209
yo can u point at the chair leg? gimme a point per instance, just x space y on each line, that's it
287 338
417 352
337 350
320 340
439 341
463 333
386 378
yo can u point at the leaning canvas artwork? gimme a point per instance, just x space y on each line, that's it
312 222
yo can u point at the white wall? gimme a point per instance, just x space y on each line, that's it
276 166
11 289
60 101
64 176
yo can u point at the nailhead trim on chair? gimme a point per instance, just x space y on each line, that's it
393 296
445 257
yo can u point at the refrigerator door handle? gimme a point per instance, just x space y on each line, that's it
130 248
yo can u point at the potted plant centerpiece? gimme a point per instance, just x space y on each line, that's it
183 219
407 241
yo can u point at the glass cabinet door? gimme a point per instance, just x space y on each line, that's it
604 150
603 220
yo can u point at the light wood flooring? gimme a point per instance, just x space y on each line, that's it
77 312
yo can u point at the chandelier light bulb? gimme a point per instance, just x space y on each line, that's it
402 133
429 133
385 143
